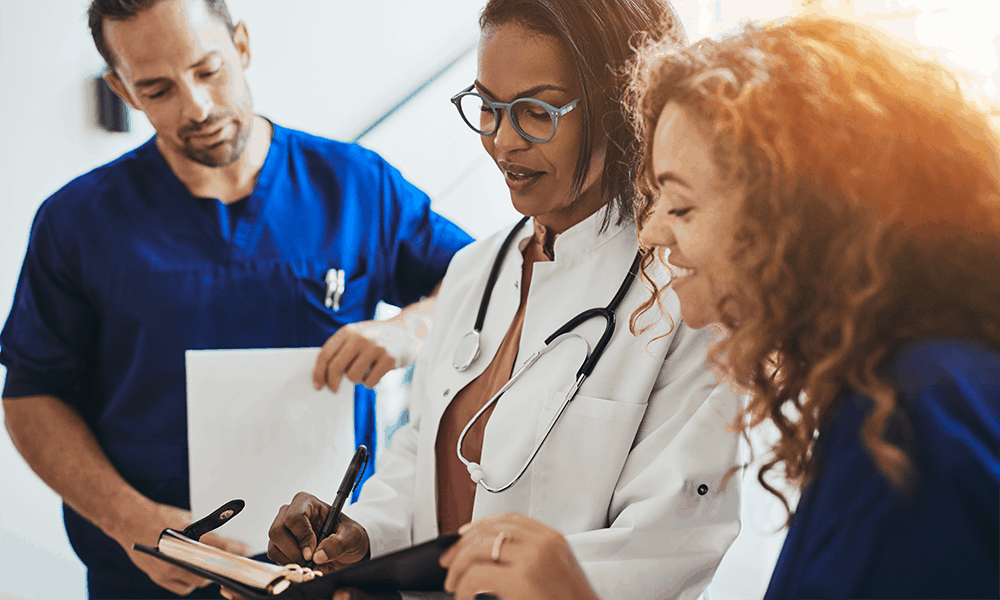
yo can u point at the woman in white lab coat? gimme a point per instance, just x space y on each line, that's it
637 472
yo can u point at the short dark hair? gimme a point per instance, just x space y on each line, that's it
601 37
121 10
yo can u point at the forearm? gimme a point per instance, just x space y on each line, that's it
59 446
416 317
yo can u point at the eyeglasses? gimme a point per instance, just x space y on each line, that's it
533 119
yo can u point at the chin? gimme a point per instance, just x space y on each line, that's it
527 203
697 317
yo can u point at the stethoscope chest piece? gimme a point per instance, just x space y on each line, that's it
467 351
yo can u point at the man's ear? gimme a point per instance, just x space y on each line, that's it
241 39
118 86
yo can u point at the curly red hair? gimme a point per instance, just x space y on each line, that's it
869 216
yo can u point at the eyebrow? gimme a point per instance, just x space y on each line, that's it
670 176
144 83
526 93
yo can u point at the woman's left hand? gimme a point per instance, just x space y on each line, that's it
512 556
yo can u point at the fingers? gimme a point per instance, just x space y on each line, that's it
350 354
292 537
359 352
183 584
475 552
348 545
326 353
486 580
226 544
377 371
230 594
167 576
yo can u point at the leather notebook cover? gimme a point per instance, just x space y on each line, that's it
411 569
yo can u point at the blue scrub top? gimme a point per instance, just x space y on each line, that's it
125 270
856 536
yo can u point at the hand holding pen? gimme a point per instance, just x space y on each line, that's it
308 532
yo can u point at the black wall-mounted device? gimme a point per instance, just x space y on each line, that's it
112 112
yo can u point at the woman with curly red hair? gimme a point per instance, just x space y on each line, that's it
832 199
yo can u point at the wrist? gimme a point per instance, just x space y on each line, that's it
139 521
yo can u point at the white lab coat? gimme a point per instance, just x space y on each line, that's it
620 473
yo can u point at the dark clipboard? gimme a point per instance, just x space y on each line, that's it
413 569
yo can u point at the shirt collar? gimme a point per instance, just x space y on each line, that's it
586 236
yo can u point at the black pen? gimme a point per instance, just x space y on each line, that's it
354 472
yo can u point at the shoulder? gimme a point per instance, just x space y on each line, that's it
933 361
342 155
949 391
957 378
95 191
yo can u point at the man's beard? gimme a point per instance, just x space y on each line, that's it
223 153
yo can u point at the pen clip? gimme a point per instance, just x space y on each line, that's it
335 287
218 517
361 475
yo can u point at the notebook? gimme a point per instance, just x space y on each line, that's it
411 569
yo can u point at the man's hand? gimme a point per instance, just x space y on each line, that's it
62 449
365 351
147 533
292 536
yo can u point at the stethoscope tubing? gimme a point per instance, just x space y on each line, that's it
474 468
564 332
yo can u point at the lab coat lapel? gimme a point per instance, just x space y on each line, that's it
584 275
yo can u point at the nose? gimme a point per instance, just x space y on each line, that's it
657 231
197 103
506 138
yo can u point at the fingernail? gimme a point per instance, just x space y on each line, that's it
464 528
317 385
307 553
320 557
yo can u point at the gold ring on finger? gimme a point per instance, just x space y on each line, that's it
497 545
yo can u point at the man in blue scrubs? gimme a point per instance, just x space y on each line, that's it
223 231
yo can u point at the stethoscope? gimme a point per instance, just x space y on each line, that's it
468 350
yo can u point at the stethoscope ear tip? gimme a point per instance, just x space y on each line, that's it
475 471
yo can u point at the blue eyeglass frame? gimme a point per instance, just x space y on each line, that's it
500 107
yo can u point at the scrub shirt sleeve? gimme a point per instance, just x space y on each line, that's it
675 509
52 326
416 243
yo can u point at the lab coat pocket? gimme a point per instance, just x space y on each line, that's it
581 460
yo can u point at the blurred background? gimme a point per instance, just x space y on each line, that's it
337 68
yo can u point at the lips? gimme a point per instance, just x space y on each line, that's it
519 177
211 129
209 134
679 271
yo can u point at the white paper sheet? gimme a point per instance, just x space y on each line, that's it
257 430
